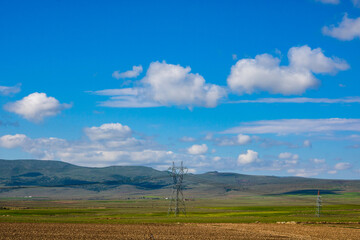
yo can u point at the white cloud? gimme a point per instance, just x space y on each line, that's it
209 136
108 144
314 60
287 159
12 141
87 152
128 102
263 73
225 141
5 91
342 166
249 157
287 156
291 161
356 3
332 172
197 149
36 106
117 92
240 139
307 143
329 1
191 170
243 139
187 139
113 157
295 126
301 100
302 172
283 163
108 131
136 70
217 158
355 146
125 98
166 85
317 160
170 84
347 30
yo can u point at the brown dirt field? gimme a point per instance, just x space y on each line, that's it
40 231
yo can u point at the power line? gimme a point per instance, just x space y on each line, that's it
318 204
177 203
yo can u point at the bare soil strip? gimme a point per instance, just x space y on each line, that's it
41 231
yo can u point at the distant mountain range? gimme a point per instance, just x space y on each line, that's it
55 179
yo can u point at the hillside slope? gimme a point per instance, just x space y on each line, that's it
60 179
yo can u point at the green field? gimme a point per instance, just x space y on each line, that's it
151 209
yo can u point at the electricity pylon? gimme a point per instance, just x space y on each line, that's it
177 203
318 204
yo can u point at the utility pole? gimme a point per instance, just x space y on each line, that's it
177 203
318 204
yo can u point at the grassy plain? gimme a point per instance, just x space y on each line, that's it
340 208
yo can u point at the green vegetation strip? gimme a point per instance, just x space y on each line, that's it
152 210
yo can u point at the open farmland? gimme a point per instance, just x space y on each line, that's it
49 204
176 231
248 217
218 205
246 209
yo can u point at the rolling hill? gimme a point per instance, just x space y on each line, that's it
55 179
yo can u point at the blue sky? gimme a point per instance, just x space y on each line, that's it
255 87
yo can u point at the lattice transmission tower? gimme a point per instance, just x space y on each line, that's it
177 202
318 204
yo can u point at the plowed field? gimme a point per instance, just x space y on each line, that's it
40 231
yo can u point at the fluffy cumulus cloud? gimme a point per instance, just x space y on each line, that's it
342 166
107 144
36 106
170 84
197 149
108 131
243 139
347 29
314 60
264 73
6 91
12 141
115 146
166 85
248 158
296 126
136 70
